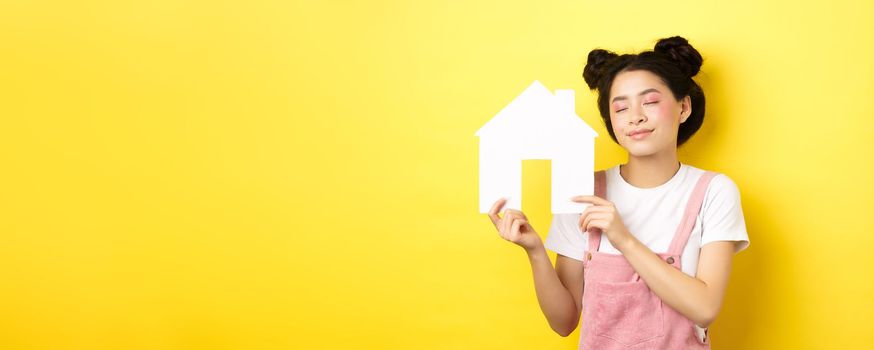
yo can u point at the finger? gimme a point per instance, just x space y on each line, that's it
598 224
507 221
514 230
589 211
594 209
496 207
582 222
591 199
584 226
504 226
517 213
587 224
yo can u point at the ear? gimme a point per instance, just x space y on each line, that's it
685 108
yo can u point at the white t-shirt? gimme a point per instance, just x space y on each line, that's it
653 214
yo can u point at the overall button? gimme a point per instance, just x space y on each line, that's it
588 256
670 260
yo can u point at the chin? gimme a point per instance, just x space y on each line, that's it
639 153
639 150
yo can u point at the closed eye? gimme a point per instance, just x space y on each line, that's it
647 103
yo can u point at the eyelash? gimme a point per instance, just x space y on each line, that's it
654 102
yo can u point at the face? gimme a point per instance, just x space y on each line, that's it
645 114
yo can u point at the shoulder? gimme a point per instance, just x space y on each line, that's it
723 184
720 186
722 193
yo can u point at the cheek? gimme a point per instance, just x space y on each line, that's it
617 125
664 112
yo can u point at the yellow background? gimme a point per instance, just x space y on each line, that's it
273 174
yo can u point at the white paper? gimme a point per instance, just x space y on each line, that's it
537 125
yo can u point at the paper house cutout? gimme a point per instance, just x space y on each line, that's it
536 125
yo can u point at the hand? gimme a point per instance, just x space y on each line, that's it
602 215
514 226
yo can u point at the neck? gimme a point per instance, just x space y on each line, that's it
650 171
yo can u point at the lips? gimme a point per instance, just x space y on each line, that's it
640 133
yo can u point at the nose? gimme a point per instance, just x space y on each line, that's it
637 117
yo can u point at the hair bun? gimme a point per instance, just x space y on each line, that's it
595 65
681 52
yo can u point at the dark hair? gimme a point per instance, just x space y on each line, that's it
673 59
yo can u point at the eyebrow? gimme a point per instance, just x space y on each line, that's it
644 92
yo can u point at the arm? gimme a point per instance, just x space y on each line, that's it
559 291
698 298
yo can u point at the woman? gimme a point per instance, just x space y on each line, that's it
658 279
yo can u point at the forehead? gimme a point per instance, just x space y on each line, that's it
629 83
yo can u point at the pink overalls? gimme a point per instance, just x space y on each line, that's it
619 309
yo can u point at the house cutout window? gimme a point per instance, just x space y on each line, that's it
537 124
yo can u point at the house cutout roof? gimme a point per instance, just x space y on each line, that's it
537 109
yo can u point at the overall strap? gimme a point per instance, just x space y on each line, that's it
693 206
600 191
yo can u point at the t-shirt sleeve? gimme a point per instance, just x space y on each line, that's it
722 215
565 237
